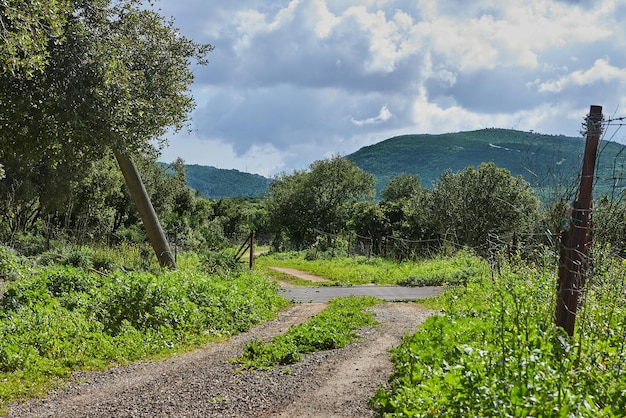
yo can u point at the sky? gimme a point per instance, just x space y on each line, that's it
294 81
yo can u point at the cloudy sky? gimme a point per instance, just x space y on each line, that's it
293 81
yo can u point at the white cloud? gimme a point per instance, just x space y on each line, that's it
382 116
252 22
429 117
292 81
325 20
601 71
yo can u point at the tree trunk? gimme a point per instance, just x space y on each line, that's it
146 210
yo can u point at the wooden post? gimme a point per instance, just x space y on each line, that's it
146 210
251 250
575 240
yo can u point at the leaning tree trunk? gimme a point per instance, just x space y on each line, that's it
146 211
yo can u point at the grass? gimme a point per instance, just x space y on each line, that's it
334 327
495 351
359 270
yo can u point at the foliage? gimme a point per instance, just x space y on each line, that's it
222 262
62 318
319 198
82 257
27 29
476 202
401 186
120 79
12 266
334 327
495 351
361 270
408 208
609 222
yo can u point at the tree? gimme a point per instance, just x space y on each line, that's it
368 220
473 203
118 81
319 198
406 206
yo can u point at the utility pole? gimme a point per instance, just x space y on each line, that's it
576 238
146 210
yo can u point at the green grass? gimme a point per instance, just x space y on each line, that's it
361 270
495 351
56 319
334 327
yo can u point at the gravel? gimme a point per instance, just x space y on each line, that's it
203 383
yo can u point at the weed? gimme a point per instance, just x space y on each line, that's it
61 318
495 351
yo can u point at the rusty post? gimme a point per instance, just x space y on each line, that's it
575 240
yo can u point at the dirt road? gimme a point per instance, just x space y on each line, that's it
203 383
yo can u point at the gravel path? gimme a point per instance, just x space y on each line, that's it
335 383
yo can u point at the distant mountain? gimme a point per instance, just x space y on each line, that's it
545 161
548 162
214 183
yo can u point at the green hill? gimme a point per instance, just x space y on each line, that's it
551 163
214 183
546 161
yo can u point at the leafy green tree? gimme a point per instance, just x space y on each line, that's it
119 80
406 205
320 198
474 202
609 222
368 220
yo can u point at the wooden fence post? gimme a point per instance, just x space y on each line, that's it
576 238
251 250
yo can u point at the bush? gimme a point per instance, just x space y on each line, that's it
455 278
77 257
11 264
30 245
222 262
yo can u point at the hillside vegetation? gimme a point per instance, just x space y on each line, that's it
213 183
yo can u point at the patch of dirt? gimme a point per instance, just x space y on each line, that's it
203 383
300 275
343 383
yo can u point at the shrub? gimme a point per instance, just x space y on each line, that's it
11 264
